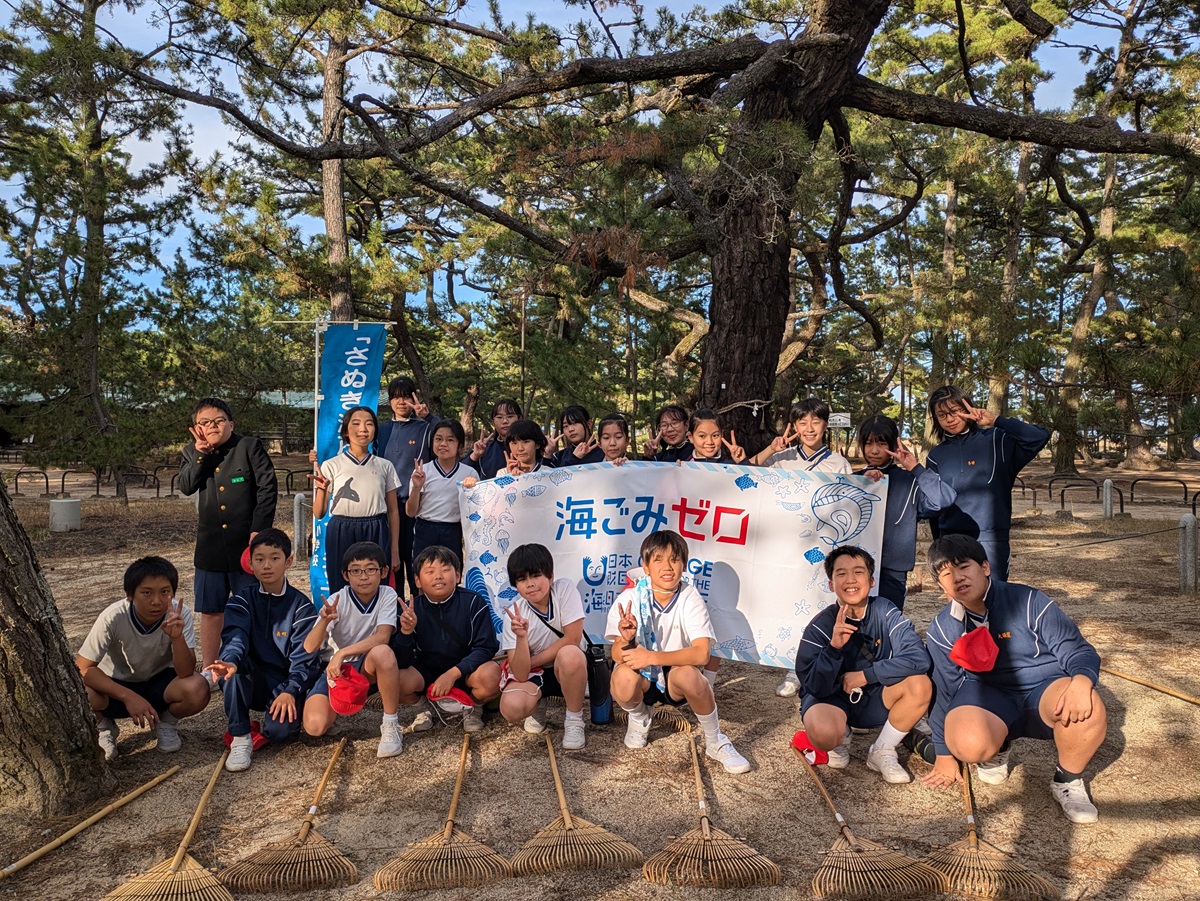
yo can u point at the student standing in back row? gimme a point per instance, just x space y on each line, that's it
238 491
403 441
979 455
809 423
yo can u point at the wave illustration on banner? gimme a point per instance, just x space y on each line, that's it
757 540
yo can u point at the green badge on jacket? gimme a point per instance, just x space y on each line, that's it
235 481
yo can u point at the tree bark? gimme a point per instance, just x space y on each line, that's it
1005 328
50 763
333 193
750 297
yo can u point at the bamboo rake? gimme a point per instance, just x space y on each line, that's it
182 878
707 856
982 871
90 821
447 859
301 864
673 715
1154 685
855 869
572 843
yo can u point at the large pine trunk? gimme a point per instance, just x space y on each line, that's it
50 763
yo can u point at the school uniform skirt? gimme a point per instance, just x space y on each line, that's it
343 531
428 533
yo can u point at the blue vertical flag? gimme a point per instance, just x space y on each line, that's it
351 370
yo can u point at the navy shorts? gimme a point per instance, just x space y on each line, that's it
654 695
869 713
152 690
431 674
1018 709
212 590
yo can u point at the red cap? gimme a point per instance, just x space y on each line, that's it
348 693
246 561
802 745
976 651
454 701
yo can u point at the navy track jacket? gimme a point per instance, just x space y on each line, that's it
270 630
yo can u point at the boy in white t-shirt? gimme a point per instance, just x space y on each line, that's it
543 639
354 626
662 638
139 659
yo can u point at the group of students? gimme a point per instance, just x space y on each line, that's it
860 662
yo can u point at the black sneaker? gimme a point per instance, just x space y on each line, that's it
921 745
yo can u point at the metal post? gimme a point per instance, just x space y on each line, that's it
299 529
1187 552
1108 487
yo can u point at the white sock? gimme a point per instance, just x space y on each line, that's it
889 737
168 717
392 717
639 714
711 676
575 714
711 727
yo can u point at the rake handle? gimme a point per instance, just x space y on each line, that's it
704 823
177 860
558 786
93 819
841 820
1154 685
969 804
458 784
306 826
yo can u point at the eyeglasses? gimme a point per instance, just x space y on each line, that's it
212 423
369 571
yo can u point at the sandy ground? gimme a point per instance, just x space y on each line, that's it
1145 779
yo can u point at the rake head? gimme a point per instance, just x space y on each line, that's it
861 870
580 846
294 865
984 872
438 861
191 882
663 713
715 859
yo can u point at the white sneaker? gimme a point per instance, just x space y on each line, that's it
240 751
637 733
535 723
885 762
391 740
107 729
839 757
1073 798
423 721
789 687
574 737
472 720
727 754
994 771
167 732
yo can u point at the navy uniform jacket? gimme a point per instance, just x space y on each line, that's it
981 465
401 443
490 463
914 495
464 636
566 457
238 491
673 454
894 651
269 631
1037 641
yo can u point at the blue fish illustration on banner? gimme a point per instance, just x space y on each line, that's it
351 369
846 509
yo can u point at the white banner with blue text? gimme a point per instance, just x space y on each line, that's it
757 539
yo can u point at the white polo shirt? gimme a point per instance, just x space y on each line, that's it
358 621
675 626
439 495
566 607
126 649
359 488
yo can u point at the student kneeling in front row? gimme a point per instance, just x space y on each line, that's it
1008 663
139 659
861 664
662 638
446 640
